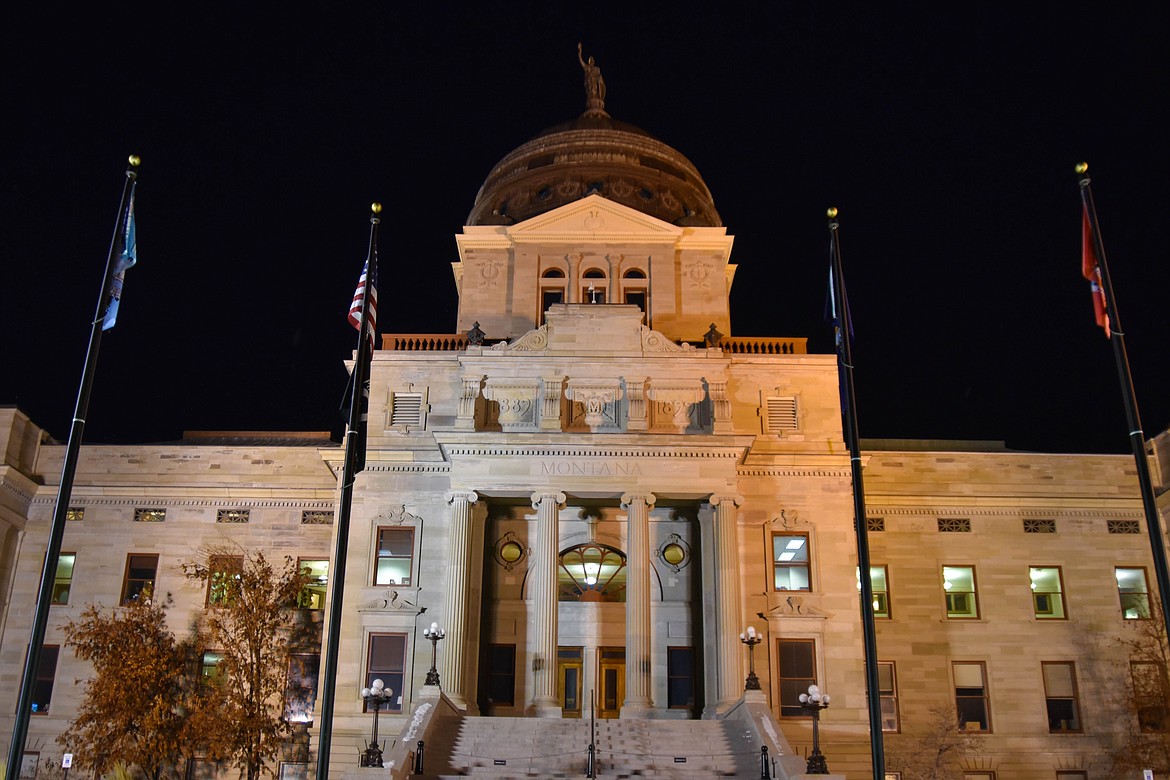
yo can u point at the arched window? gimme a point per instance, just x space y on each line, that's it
592 572
594 285
552 290
634 288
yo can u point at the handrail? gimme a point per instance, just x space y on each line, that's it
764 345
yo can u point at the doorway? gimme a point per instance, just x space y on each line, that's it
569 668
611 677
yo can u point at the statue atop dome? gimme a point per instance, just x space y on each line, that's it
594 86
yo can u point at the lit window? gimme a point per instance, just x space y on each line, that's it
317 574
790 562
301 688
1135 596
223 579
395 556
386 662
1151 691
1060 695
592 572
1047 592
42 693
209 670
971 700
878 583
64 578
796 668
888 689
141 570
959 590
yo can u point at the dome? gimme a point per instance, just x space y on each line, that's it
594 153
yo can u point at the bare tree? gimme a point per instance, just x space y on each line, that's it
132 710
245 632
932 750
1145 697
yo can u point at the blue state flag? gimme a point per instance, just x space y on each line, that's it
127 257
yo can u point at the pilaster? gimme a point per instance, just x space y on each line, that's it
458 646
544 702
639 700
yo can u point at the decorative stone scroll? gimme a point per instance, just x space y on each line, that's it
532 341
653 341
673 403
595 403
517 400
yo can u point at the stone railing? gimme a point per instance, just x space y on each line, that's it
763 345
425 342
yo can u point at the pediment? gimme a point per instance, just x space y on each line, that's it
591 218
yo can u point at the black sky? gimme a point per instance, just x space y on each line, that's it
946 134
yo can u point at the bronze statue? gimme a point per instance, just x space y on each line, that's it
594 86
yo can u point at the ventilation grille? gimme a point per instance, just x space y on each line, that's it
781 414
406 409
1039 526
1124 527
954 525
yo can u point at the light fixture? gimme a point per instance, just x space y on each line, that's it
592 569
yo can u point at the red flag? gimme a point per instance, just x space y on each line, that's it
1091 270
367 282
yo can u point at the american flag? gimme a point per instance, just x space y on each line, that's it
368 280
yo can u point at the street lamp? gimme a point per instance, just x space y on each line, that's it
813 702
434 633
375 696
751 639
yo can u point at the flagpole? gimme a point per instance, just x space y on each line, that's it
65 490
337 575
1137 437
852 439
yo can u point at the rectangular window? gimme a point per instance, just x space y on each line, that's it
636 298
63 580
386 662
548 297
879 584
301 689
680 677
313 594
294 770
1047 592
1060 693
796 668
501 682
43 682
971 699
29 761
224 578
959 587
790 561
979 776
201 769
209 667
141 570
888 689
395 556
1071 775
1150 693
1135 596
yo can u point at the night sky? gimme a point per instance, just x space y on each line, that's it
946 134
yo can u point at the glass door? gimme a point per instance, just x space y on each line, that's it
611 676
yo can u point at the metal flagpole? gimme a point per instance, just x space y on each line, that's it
361 365
844 326
65 490
1137 437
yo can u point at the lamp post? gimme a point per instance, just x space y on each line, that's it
813 702
751 639
434 633
376 696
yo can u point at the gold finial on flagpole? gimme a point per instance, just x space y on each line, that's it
1082 167
376 207
832 212
134 160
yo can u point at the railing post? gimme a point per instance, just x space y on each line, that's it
418 759
765 765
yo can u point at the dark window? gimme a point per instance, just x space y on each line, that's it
301 691
888 690
797 670
636 298
141 570
501 682
386 662
395 556
1060 694
43 683
971 700
1150 693
680 677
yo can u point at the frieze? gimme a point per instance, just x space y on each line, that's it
589 468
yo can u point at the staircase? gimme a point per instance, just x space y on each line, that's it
512 748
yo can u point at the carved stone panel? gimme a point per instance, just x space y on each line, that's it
594 404
517 401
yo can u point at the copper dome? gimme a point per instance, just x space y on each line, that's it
594 153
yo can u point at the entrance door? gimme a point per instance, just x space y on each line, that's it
569 681
611 676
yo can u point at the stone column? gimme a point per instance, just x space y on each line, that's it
728 654
453 664
639 700
543 640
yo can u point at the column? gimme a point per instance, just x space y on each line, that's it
639 700
544 702
728 653
453 664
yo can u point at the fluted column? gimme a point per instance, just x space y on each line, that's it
730 678
544 702
454 660
639 700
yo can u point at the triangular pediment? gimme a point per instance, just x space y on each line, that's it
591 218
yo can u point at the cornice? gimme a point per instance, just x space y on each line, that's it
590 451
82 500
967 510
842 472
